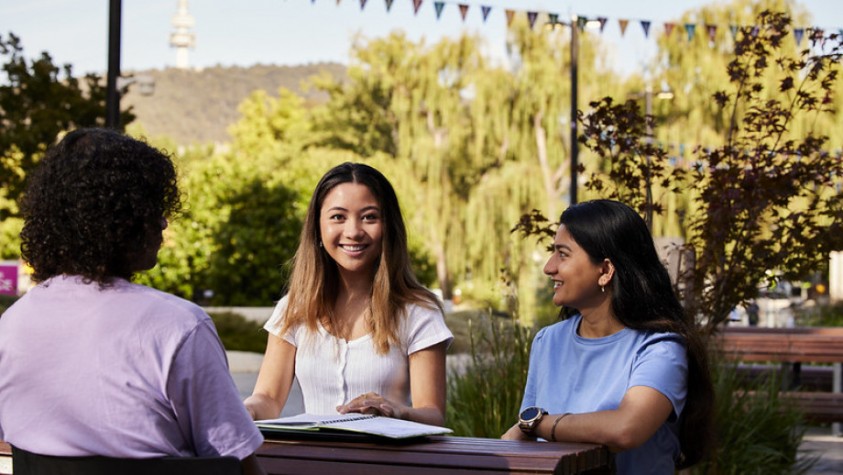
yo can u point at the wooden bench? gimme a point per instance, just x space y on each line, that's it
443 455
792 349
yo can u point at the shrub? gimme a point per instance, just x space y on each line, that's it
239 334
757 430
484 397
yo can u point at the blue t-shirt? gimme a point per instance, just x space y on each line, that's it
569 373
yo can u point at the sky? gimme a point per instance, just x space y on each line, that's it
290 32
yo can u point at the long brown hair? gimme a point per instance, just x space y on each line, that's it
315 278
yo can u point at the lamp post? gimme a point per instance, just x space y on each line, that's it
664 94
112 94
577 22
575 147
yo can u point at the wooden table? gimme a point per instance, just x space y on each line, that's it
435 455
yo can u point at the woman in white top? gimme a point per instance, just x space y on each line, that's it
357 329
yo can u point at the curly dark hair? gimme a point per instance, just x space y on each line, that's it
95 205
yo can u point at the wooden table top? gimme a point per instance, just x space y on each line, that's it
440 454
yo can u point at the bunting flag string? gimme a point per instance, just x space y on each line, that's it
485 9
622 23
690 29
463 10
645 25
439 6
814 34
531 18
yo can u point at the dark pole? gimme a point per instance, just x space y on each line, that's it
112 96
574 144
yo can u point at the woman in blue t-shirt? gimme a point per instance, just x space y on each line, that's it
628 369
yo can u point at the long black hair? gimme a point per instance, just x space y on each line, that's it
644 299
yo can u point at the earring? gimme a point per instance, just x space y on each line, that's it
603 289
320 244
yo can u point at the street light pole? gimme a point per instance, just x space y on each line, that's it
648 108
575 148
112 95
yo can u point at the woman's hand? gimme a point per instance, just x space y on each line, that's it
515 433
374 403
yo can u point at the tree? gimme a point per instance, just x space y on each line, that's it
38 101
765 200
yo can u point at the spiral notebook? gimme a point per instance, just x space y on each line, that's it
355 423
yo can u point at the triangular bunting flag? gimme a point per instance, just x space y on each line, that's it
312 1
623 24
645 25
388 5
602 21
690 28
338 2
531 18
416 6
734 30
438 6
797 35
485 11
668 28
510 14
362 4
712 31
553 18
581 22
463 10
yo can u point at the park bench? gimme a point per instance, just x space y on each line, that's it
792 349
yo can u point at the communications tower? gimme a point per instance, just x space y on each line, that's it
182 37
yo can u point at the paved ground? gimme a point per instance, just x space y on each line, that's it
821 443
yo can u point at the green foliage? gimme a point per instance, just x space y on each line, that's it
821 316
238 231
758 430
38 101
485 395
238 333
6 301
764 200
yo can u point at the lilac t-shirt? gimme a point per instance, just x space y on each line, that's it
125 371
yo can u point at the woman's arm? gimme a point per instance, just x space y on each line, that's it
427 391
640 414
274 380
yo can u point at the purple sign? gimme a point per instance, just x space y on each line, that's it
8 279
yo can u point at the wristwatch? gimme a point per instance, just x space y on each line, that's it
529 419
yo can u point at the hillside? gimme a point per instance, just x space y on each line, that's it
197 106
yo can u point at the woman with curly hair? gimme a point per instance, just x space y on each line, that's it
90 363
356 329
628 369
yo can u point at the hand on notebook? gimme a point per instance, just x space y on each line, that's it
374 403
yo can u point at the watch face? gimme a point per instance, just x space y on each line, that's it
530 413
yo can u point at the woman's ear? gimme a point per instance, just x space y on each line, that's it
607 272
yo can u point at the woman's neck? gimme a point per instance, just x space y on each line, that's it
599 322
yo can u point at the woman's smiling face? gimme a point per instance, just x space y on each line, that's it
351 227
575 277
